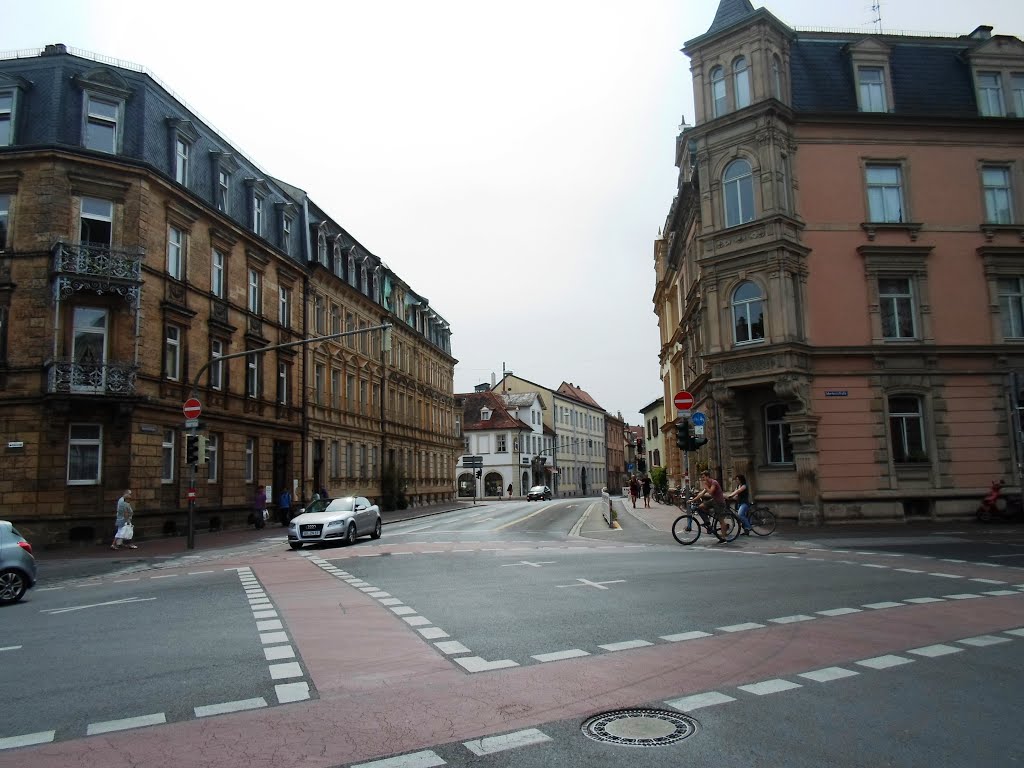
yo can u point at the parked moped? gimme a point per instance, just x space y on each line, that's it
996 506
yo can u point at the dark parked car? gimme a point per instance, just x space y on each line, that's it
17 565
539 493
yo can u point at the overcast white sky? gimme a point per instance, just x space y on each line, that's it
511 161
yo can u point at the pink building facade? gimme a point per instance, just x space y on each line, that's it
841 277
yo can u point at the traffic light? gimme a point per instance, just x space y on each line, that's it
191 449
683 434
201 449
641 465
697 442
479 473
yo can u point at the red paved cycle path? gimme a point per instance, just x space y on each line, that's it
383 689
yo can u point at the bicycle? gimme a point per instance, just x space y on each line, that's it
723 523
762 520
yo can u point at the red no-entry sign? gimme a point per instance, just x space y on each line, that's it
683 400
192 408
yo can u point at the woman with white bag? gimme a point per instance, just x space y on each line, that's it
125 531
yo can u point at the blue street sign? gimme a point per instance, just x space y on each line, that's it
698 419
629 467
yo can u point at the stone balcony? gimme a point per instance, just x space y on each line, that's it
70 377
98 269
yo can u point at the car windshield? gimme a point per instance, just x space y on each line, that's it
537 489
344 504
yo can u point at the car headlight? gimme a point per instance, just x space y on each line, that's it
335 523
292 526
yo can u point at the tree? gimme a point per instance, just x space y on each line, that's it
659 478
393 482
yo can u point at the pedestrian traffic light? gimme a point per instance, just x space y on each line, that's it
192 449
201 449
479 473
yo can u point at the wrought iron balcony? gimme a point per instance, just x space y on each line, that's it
97 268
70 377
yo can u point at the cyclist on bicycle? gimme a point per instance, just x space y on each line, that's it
711 497
741 495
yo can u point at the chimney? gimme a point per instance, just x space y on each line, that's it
56 49
983 32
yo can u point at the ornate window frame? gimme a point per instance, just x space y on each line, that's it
1000 262
910 262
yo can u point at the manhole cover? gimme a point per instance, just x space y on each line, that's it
639 727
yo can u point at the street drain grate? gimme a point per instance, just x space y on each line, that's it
639 727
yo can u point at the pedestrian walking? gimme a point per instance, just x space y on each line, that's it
510 490
123 522
646 488
634 489
284 508
323 493
259 503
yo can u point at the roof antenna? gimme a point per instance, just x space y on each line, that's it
876 9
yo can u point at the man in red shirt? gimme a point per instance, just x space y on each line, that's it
710 497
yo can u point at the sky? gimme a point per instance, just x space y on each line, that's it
512 162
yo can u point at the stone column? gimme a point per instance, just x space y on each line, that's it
803 436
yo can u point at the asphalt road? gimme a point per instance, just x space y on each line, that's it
489 636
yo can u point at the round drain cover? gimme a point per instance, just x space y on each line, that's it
639 727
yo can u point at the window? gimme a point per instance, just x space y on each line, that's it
282 383
217 274
96 224
213 457
1011 306
319 374
89 348
362 462
718 102
181 150
85 445
350 392
250 459
5 214
748 313
335 458
885 194
175 252
257 214
776 77
286 234
350 460
223 190
990 94
998 200
738 181
896 304
741 82
351 268
321 248
336 388
362 396
216 368
167 473
252 376
285 306
778 449
335 318
172 353
1016 86
6 118
255 291
102 120
871 88
906 429
319 321
502 444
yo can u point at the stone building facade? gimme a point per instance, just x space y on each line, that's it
136 247
839 281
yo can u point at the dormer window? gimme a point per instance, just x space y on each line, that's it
990 95
871 89
351 269
485 414
364 280
872 75
321 248
102 127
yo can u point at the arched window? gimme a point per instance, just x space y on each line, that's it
338 261
748 313
778 449
718 99
738 181
906 429
364 282
321 248
351 268
741 82
376 285
467 484
776 77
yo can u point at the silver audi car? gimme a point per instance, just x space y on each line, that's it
343 519
17 565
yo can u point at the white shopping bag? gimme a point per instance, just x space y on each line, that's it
126 532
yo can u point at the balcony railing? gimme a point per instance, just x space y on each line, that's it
97 268
69 377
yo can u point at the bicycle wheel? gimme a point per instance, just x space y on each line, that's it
762 520
726 526
686 529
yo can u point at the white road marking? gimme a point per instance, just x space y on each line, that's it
677 638
572 653
922 600
478 664
285 670
416 621
588 583
278 652
1001 592
378 594
164 576
908 570
289 692
625 645
197 573
1015 632
947 575
123 581
880 606
425 759
492 744
527 562
264 614
874 565
828 674
965 596
433 633
839 611
769 686
982 640
950 560
231 706
883 662
987 581
792 619
403 610
931 651
452 647
10 648
54 611
700 700
108 726
269 624
390 601
741 627
269 638
27 740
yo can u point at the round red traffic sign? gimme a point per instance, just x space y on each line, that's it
683 400
192 408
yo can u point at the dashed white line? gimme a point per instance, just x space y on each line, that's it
947 575
425 759
264 626
230 706
883 662
285 670
416 621
767 687
982 640
492 744
965 596
108 726
478 664
289 692
572 653
452 647
700 700
402 610
931 651
880 606
270 638
741 627
278 652
828 674
11 648
681 636
27 739
433 633
792 619
839 611
625 645
987 581
922 600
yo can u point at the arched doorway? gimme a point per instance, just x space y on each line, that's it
493 484
525 484
466 484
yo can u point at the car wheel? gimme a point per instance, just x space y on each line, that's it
376 530
350 534
12 586
295 544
